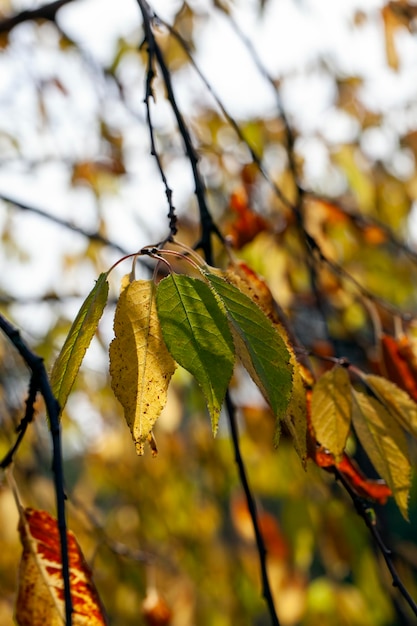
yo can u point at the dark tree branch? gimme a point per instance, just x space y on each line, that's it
266 588
46 12
148 96
208 227
91 235
363 510
41 383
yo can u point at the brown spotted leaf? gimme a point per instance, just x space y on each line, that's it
140 364
40 599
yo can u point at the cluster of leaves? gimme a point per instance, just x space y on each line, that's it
347 295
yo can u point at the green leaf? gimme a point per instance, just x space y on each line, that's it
140 364
258 344
69 360
395 400
197 335
384 442
331 410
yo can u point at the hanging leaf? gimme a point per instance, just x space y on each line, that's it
140 364
385 444
247 281
396 401
40 595
69 360
197 334
331 410
258 345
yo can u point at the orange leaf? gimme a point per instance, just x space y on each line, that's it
400 364
155 610
246 224
376 490
275 543
40 599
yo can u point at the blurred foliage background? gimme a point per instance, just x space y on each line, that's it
78 187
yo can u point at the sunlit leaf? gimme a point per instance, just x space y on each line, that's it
258 344
197 334
331 410
40 595
248 281
69 360
396 401
384 442
140 364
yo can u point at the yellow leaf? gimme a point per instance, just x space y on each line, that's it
395 400
140 364
384 442
40 595
331 410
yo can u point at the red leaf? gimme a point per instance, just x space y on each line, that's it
40 599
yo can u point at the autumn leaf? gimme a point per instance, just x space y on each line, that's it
397 402
40 598
68 363
140 364
246 224
331 410
246 280
384 442
399 363
197 334
155 610
258 344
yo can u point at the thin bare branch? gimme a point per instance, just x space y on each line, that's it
45 12
266 587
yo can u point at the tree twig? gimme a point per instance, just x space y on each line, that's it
208 227
266 588
91 235
41 383
45 12
363 510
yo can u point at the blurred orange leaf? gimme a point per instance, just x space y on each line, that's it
40 599
275 542
399 363
155 610
246 224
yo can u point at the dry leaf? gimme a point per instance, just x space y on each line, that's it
40 599
140 364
